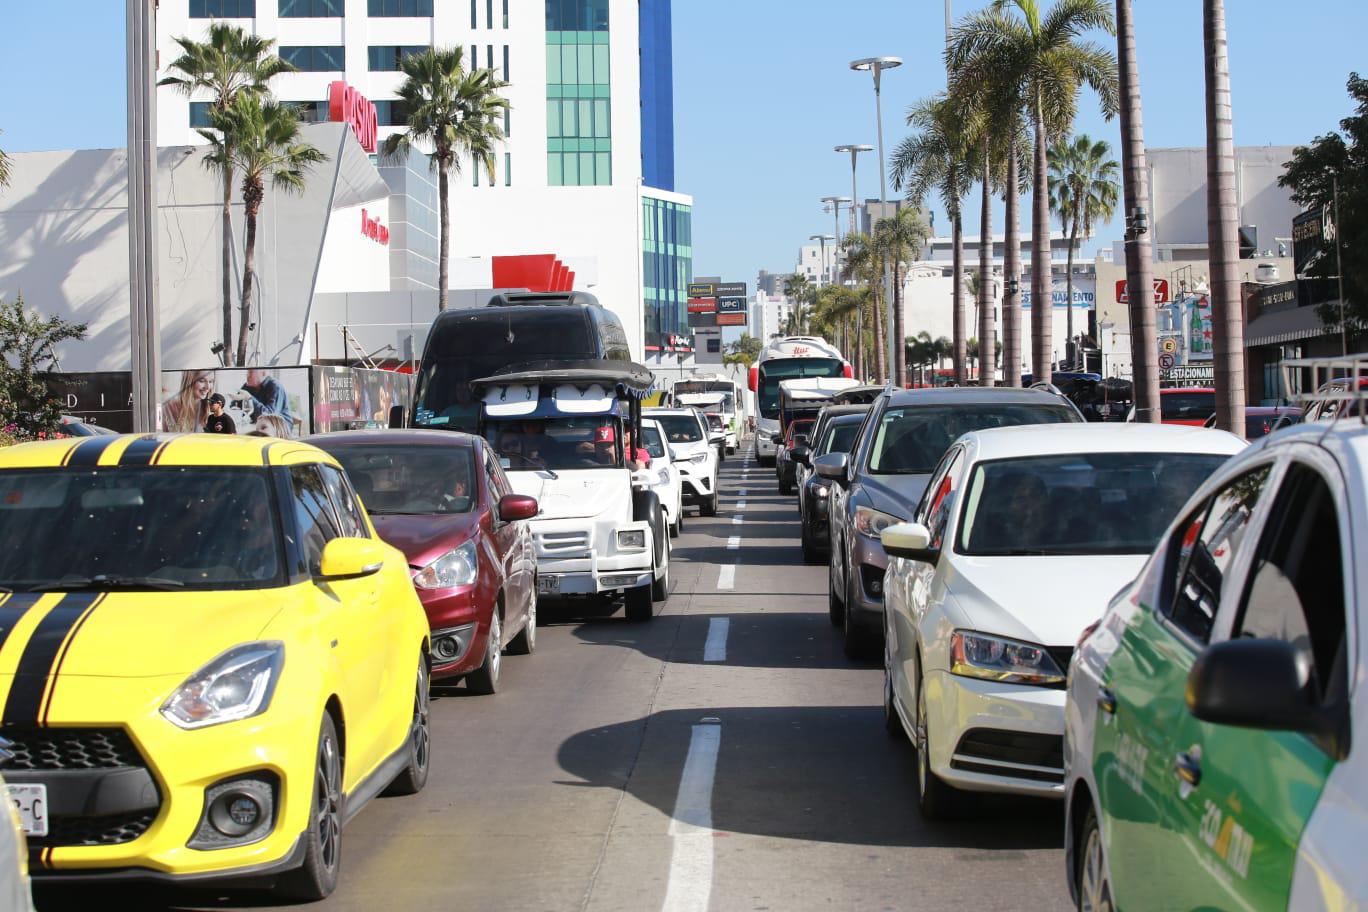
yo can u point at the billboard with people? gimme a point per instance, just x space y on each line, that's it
269 402
350 398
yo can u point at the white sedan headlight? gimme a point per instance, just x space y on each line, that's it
664 476
870 522
236 685
457 567
979 655
699 458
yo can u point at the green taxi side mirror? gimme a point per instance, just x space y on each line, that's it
349 558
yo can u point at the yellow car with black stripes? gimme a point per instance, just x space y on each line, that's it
209 661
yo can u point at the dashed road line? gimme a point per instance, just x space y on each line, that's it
691 856
715 649
734 543
726 576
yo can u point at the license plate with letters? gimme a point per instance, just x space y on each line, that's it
31 802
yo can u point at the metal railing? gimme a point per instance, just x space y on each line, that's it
1328 387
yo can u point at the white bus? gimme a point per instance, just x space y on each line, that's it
788 358
717 394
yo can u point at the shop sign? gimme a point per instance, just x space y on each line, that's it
702 290
731 289
731 305
702 305
1161 291
1189 374
371 228
347 105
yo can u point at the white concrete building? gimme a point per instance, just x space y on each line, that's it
818 265
586 170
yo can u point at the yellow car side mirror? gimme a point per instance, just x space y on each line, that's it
349 558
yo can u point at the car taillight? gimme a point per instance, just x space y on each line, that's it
1087 632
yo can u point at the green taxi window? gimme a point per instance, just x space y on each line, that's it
1203 548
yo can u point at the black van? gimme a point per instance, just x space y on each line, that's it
513 328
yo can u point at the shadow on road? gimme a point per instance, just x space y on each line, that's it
821 774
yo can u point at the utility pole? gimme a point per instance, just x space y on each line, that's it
144 323
1339 271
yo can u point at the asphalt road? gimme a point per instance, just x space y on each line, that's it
724 756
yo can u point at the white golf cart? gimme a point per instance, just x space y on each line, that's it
560 429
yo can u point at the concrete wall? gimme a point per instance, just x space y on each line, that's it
1178 193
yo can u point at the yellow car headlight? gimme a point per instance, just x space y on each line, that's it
236 685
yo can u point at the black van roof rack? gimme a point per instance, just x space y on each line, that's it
523 298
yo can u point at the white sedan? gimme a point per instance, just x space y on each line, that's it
693 453
663 476
1021 538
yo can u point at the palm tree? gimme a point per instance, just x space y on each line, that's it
453 112
1046 53
900 238
864 264
1139 267
1227 328
265 144
935 158
1083 191
230 63
4 168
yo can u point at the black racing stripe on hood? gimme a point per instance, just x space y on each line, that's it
40 653
12 611
88 452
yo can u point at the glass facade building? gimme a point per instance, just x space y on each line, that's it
579 136
667 267
657 95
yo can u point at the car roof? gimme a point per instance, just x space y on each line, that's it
392 437
1344 436
832 412
951 395
162 450
847 418
1053 439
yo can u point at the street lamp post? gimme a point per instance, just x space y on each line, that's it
144 324
854 151
836 202
876 66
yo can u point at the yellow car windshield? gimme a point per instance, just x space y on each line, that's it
153 528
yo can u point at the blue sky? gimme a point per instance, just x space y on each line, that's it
763 91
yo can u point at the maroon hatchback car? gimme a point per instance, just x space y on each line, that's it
442 498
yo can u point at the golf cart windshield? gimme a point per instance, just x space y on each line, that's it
580 442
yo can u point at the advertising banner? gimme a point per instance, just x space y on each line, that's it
267 401
1184 330
97 397
1084 294
1313 234
1161 291
350 398
731 289
731 305
731 319
702 290
702 305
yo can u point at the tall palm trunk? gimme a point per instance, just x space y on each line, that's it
227 263
1135 183
1042 329
444 237
1227 327
987 330
1069 345
880 350
252 195
1011 263
960 338
858 318
899 345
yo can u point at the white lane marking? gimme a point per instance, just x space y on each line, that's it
738 519
726 576
715 649
740 505
741 492
691 856
734 543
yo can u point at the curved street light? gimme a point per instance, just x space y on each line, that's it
854 150
876 66
836 202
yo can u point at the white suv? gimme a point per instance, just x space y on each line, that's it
686 434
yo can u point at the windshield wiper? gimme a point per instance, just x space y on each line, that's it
105 581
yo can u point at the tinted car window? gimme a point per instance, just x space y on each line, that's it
680 428
1204 546
1187 406
1296 588
910 440
352 523
396 479
204 527
839 438
1096 503
650 438
313 517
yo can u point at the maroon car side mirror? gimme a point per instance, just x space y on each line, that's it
513 507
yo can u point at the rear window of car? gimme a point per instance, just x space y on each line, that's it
840 438
910 440
1187 406
680 428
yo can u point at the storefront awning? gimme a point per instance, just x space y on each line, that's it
1285 326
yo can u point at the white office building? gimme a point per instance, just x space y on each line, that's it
585 172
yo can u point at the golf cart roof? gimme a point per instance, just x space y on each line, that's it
814 389
700 399
859 395
629 377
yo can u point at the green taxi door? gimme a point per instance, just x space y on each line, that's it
1142 702
1237 798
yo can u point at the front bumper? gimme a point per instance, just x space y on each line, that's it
459 607
583 558
992 737
867 565
134 816
764 447
695 488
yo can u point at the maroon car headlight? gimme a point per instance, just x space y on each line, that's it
457 567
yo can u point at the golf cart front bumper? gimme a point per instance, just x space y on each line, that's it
580 557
